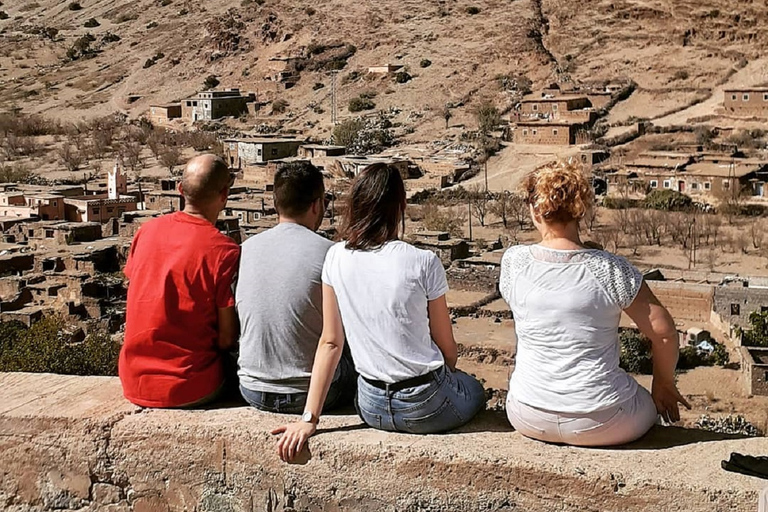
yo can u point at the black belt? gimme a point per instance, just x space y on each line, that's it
407 383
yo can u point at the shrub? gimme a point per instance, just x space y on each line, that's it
346 132
487 116
210 82
443 219
402 77
109 37
165 3
668 200
91 23
680 74
635 355
279 106
472 10
425 63
44 347
619 203
728 425
151 25
757 334
310 11
149 63
74 6
4 15
361 103
318 86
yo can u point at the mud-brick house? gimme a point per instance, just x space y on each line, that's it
209 105
242 152
161 113
553 133
746 101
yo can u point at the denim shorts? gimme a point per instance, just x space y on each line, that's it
448 401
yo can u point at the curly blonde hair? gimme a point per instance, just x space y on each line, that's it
559 192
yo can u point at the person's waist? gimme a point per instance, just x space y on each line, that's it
412 382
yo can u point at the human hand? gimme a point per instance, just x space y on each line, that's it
294 436
666 397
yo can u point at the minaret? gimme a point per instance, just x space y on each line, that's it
117 184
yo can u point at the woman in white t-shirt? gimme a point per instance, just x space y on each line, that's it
387 298
567 300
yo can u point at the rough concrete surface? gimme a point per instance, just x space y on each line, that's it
74 443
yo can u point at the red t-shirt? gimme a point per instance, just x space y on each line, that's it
180 270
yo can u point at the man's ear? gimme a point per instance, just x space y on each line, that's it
180 188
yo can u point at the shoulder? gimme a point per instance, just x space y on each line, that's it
515 256
618 277
606 262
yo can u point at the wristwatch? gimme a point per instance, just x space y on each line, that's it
308 417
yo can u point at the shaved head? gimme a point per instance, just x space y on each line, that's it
204 178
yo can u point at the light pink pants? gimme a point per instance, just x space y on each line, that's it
620 424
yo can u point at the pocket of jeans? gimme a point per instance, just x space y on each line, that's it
370 419
444 418
613 419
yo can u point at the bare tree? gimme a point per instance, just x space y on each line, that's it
447 115
500 207
757 233
590 218
480 202
170 157
69 157
436 218
130 155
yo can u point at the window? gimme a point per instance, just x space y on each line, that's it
258 152
189 103
535 107
707 185
726 185
554 131
54 203
96 211
654 184
667 184
554 107
31 233
110 210
49 265
194 103
694 186
48 233
525 132
745 97
733 97
765 96
535 132
736 309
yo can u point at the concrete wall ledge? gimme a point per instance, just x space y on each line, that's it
73 443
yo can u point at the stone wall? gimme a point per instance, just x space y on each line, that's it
685 301
73 443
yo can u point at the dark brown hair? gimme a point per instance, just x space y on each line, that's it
297 186
375 206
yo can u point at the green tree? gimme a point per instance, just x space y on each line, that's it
487 117
345 133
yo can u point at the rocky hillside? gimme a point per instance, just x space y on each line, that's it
87 58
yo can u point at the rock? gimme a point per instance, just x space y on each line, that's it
106 493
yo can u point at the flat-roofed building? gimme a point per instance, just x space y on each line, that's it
746 101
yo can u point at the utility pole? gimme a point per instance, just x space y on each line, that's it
334 119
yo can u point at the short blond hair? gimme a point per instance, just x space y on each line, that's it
559 192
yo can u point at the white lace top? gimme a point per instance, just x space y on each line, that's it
566 306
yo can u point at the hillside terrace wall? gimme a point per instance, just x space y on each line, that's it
73 443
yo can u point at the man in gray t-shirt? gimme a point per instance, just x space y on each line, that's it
279 300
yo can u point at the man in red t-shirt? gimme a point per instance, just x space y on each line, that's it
180 315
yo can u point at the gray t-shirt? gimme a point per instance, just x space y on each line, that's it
279 302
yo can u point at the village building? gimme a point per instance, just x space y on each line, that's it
162 113
755 367
746 101
242 152
440 242
250 212
553 133
385 69
320 151
567 107
102 207
209 105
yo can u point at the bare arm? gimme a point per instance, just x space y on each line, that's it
655 322
441 330
327 357
229 329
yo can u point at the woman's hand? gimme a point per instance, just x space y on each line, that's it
666 397
293 438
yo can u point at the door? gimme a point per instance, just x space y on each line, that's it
681 186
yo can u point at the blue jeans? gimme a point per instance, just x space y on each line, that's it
449 401
340 394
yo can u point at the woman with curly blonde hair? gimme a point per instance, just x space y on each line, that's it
567 300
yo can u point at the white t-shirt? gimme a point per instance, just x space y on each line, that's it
567 306
382 296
